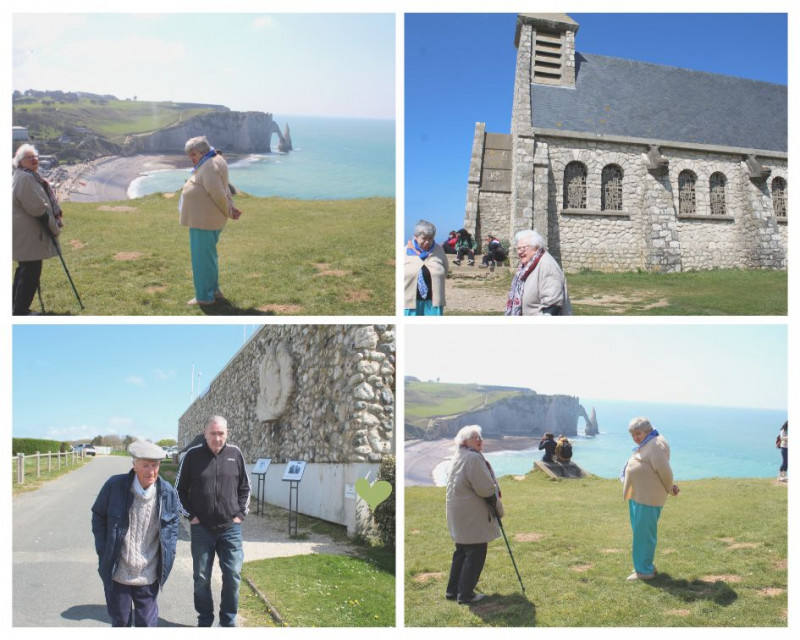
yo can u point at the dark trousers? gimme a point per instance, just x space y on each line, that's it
465 569
26 281
466 252
227 546
784 458
132 606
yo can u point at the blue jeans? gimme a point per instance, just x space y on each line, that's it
227 546
205 263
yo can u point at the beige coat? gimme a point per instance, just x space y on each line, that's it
469 517
648 476
437 265
28 202
544 287
205 199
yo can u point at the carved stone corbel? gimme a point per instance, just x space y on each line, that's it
757 171
657 164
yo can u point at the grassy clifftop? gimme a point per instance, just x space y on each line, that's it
722 558
425 400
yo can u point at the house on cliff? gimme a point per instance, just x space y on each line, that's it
625 165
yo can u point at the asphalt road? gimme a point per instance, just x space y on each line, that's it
55 580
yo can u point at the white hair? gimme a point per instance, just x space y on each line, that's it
640 424
425 229
465 433
531 237
23 149
222 422
199 144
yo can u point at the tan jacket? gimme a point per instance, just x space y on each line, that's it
544 287
469 517
437 265
648 476
29 201
205 199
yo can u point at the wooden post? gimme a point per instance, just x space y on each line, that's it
38 465
49 461
59 460
20 468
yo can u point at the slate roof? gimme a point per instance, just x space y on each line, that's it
614 96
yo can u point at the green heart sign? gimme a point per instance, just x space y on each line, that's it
374 494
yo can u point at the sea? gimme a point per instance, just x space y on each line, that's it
705 442
332 159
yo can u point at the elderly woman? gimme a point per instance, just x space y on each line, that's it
205 207
472 500
647 480
36 218
425 273
539 287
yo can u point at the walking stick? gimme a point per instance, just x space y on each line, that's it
44 220
508 546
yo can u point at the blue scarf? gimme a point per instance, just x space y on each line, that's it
637 448
413 249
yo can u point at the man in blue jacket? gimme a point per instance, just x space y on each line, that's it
214 494
135 527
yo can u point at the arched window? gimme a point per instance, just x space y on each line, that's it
611 195
779 197
716 188
687 202
575 186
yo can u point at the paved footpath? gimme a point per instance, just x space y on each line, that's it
55 580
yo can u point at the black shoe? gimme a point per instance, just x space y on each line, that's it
450 596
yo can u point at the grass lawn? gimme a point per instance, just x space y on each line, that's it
32 482
284 257
320 590
694 293
722 558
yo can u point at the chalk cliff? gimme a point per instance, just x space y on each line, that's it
530 414
229 131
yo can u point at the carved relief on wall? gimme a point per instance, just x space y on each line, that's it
275 382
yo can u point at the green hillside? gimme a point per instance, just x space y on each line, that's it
426 400
722 558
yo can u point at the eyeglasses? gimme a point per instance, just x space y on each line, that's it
30 158
524 247
478 438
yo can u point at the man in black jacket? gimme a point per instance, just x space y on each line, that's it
214 493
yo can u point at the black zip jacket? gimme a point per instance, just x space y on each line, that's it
213 488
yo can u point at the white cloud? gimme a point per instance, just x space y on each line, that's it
80 432
137 380
164 375
264 22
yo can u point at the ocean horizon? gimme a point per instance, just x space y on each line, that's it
332 159
705 441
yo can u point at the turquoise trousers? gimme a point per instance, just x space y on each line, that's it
424 308
644 524
205 264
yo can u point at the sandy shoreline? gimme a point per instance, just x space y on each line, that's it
423 456
108 178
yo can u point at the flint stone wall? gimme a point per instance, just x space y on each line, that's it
342 409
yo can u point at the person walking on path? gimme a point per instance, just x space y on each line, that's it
214 494
135 527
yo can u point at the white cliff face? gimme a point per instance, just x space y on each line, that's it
229 131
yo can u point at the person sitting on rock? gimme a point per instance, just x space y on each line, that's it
548 444
563 450
495 253
465 246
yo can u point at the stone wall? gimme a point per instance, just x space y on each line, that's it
648 233
340 411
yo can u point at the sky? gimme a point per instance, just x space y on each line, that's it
459 70
721 365
286 64
72 382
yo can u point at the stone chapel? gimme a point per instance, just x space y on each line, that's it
625 165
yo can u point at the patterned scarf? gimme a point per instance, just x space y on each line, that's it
51 196
413 249
514 302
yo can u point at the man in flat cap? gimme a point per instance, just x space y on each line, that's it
135 527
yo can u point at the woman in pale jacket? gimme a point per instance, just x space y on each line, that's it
425 273
36 221
471 487
539 287
647 480
205 207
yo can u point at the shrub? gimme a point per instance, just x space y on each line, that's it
29 446
385 512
